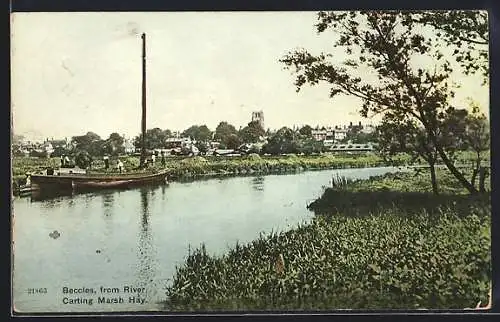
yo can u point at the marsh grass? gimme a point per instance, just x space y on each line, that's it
382 261
399 248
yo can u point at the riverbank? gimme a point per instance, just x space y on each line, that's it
192 168
404 249
211 166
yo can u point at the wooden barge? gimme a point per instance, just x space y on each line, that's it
76 182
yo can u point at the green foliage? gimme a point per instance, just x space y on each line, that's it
227 135
282 142
467 32
310 146
198 132
388 45
381 261
83 159
251 133
90 142
114 145
306 130
37 154
410 192
154 139
231 142
380 253
60 151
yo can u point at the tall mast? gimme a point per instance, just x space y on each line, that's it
143 123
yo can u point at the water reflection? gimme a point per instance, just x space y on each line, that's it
50 197
258 183
163 190
108 199
107 203
146 250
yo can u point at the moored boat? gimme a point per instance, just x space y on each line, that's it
94 182
79 179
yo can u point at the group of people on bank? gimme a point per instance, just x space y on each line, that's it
119 164
150 161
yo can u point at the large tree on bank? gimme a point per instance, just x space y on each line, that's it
394 64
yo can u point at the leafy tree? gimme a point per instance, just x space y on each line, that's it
90 142
114 144
83 159
387 46
227 135
282 142
362 138
252 132
473 134
404 136
155 138
223 130
306 130
60 151
467 32
84 142
310 146
199 133
232 142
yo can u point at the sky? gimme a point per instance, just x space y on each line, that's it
78 72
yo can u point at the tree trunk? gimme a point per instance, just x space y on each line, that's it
472 190
435 189
474 176
476 169
482 178
449 164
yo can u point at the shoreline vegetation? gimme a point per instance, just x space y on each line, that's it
406 248
193 168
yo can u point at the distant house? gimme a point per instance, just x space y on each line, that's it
340 134
323 134
128 147
178 144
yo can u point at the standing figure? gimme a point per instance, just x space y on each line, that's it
120 166
66 161
106 162
62 161
163 158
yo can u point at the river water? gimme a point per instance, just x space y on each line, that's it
129 242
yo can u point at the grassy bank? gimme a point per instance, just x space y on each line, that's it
255 164
380 255
182 167
410 192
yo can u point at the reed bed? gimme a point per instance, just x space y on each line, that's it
360 253
382 261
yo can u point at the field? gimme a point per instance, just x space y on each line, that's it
387 252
